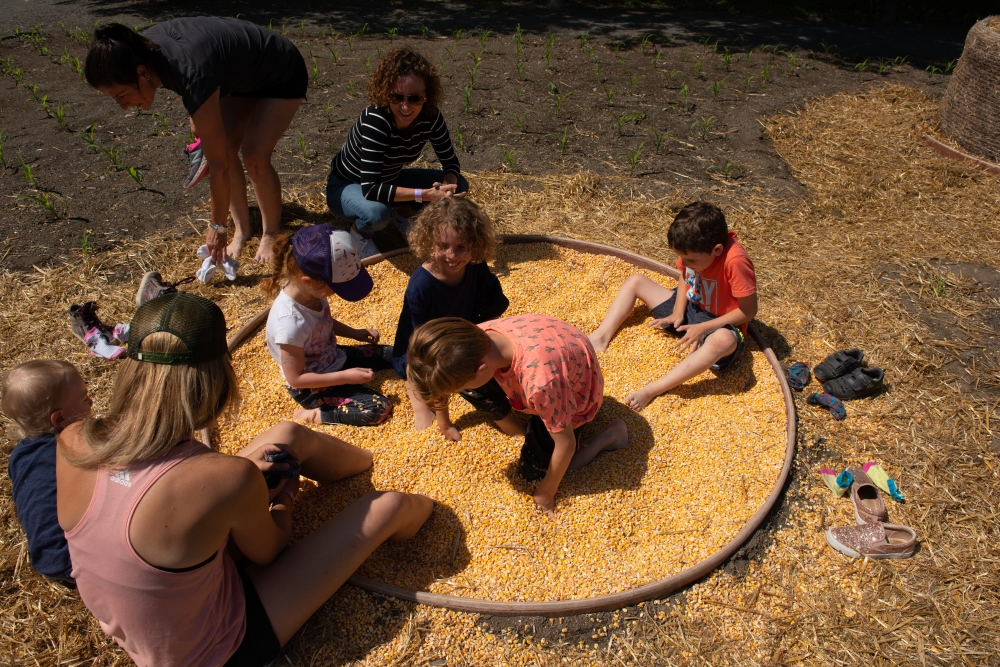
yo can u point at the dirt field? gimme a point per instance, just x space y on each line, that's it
860 235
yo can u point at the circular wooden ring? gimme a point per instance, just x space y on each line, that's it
650 591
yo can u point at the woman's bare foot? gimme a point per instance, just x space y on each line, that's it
235 247
265 252
600 340
308 415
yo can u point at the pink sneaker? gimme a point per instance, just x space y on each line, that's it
874 540
197 164
868 504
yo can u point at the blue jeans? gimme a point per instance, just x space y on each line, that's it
347 200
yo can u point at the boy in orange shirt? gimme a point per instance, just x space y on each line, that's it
547 368
710 313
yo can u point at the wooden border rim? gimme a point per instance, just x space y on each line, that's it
952 153
650 591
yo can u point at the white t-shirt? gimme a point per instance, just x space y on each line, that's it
291 323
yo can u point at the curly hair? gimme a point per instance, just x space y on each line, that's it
399 62
283 267
468 220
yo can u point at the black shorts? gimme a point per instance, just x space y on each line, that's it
260 645
490 398
292 88
695 315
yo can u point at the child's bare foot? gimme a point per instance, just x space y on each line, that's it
235 247
638 400
308 415
600 340
265 251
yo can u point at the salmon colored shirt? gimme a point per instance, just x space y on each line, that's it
731 275
554 373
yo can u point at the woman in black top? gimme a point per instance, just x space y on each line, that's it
367 181
241 84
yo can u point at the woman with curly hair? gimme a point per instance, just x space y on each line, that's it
367 182
240 83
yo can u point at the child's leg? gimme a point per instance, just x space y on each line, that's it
423 416
323 457
491 399
635 287
614 436
720 343
350 404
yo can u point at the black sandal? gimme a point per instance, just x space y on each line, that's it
839 363
858 383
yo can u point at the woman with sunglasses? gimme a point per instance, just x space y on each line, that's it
367 183
240 83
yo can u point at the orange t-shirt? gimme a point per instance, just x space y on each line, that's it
715 289
554 373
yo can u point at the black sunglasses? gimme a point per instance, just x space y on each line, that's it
399 98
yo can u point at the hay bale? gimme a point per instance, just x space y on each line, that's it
970 110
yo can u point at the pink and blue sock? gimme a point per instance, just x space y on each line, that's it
837 409
798 375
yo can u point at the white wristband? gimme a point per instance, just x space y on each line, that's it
418 195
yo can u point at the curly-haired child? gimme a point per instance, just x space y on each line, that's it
456 238
42 397
710 313
326 379
547 368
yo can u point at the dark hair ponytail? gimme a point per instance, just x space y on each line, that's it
117 52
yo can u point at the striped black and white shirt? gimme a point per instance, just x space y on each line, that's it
376 150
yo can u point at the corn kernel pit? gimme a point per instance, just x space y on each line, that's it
701 459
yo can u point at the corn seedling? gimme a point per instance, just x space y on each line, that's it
748 82
621 63
302 147
590 54
561 140
519 121
609 94
616 45
749 54
81 36
883 65
583 39
646 42
628 118
368 64
45 200
599 73
827 48
88 136
659 138
683 94
632 157
948 66
392 32
283 30
362 30
548 56
484 35
468 97
315 72
560 99
632 80
899 61
28 174
656 58
729 170
717 87
671 74
328 109
861 66
457 34
451 52
697 67
939 284
136 175
302 28
520 94
350 89
765 76
792 60
727 58
333 54
59 113
350 42
519 67
703 126
510 157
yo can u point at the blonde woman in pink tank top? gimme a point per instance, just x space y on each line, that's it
149 512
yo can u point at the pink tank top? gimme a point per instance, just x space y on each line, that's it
161 618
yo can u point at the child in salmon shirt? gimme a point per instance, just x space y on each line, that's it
710 313
546 367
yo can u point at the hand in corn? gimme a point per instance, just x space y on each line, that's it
700 461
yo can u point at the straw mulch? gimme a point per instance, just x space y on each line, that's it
868 257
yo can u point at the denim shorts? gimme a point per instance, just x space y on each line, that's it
696 315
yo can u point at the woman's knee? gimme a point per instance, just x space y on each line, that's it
255 159
402 513
373 220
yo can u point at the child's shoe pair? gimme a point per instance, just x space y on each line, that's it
843 377
872 537
97 336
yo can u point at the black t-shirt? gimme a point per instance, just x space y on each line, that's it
202 54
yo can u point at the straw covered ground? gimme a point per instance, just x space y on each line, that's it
889 249
625 520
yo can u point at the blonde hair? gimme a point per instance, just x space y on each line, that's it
32 391
156 406
283 266
468 220
443 355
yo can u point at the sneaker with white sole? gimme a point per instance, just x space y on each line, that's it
401 224
153 286
874 540
365 247
197 164
83 319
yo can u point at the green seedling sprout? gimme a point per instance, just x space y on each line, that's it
765 76
672 73
392 32
632 80
949 66
457 34
792 60
451 52
583 39
609 94
717 86
632 157
328 110
350 42
703 126
590 53
560 99
441 64
59 113
28 174
827 48
459 139
315 72
510 157
548 56
468 98
899 61
519 67
697 67
659 138
333 54
88 136
136 175
645 42
45 200
683 94
861 66
483 36
727 58
368 64
519 121
362 30
520 94
748 82
616 45
350 89
883 65
628 118
656 58
562 140
599 73
81 36
749 54
302 147
302 27
424 30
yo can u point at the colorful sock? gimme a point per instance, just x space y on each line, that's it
837 409
100 347
837 483
882 480
120 332
798 375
